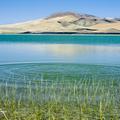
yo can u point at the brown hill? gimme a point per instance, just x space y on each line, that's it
65 22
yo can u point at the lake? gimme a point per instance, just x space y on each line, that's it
70 76
84 49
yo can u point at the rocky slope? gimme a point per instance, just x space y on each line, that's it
65 22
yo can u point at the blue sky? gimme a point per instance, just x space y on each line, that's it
12 11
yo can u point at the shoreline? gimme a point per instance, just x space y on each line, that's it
62 33
68 33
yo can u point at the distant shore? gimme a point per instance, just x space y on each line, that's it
69 33
60 33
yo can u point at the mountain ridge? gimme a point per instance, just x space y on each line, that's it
65 22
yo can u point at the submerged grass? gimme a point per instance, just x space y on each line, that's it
58 96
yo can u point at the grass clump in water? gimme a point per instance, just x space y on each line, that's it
59 96
68 101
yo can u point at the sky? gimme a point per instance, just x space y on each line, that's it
12 11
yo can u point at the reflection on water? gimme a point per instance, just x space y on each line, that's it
68 53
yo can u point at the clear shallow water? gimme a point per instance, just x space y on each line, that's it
60 49
82 52
21 74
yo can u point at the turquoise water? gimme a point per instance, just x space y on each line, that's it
35 72
84 49
58 60
75 70
62 39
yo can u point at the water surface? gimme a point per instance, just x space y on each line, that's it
89 49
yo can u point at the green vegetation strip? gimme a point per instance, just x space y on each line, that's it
55 92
